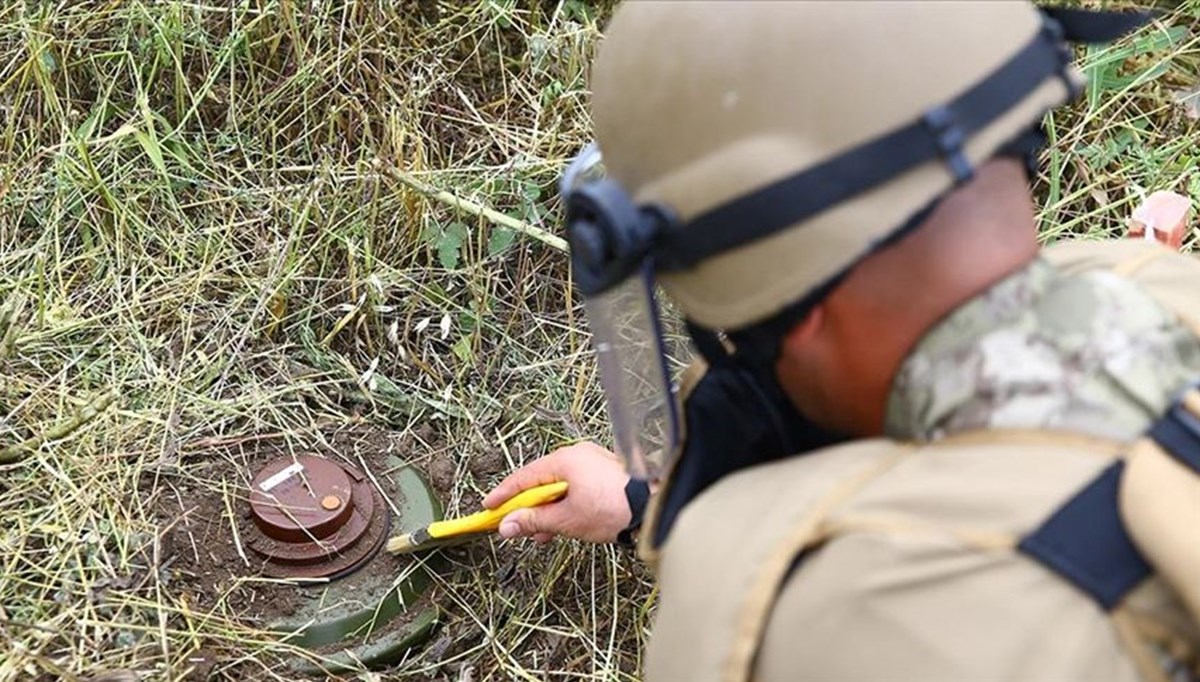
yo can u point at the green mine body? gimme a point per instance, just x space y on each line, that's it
375 614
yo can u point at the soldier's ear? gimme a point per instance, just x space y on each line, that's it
801 335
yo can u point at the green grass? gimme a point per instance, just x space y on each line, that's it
1129 135
230 220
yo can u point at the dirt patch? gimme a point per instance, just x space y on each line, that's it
200 665
198 508
487 464
444 459
441 472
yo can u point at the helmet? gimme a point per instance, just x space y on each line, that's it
700 104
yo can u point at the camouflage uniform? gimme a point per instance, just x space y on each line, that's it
1089 353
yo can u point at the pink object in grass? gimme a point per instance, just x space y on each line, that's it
1163 216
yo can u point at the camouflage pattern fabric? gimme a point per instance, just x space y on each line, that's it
1090 353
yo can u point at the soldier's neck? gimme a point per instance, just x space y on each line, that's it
977 236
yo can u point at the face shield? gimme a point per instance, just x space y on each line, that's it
610 254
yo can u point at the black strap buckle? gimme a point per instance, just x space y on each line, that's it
949 137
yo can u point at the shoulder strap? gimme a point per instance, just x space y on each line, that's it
1160 498
1086 542
1095 540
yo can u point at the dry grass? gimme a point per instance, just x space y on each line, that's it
219 221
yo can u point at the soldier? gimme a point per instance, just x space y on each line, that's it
920 449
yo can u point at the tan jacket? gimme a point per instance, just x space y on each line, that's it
880 560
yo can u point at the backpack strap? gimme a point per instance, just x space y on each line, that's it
1086 543
1160 498
1087 540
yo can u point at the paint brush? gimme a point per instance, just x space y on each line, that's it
453 531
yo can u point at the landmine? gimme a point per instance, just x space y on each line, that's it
322 524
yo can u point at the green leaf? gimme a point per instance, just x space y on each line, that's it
462 350
531 191
500 240
534 214
431 234
578 10
149 145
449 245
49 63
467 322
88 127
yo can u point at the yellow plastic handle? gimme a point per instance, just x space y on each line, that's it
489 519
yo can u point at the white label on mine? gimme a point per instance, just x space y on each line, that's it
280 477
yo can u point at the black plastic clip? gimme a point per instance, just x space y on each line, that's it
949 138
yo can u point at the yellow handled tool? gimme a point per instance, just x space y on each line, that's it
441 533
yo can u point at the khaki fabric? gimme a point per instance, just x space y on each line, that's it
911 575
1160 502
696 103
709 573
912 572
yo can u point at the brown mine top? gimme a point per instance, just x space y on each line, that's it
301 499
313 517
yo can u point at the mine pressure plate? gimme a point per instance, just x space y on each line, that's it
315 518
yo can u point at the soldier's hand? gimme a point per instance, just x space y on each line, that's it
594 509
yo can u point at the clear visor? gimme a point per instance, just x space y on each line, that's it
628 341
630 353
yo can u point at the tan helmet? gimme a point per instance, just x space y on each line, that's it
700 104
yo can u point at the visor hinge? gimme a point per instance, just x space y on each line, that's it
949 137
